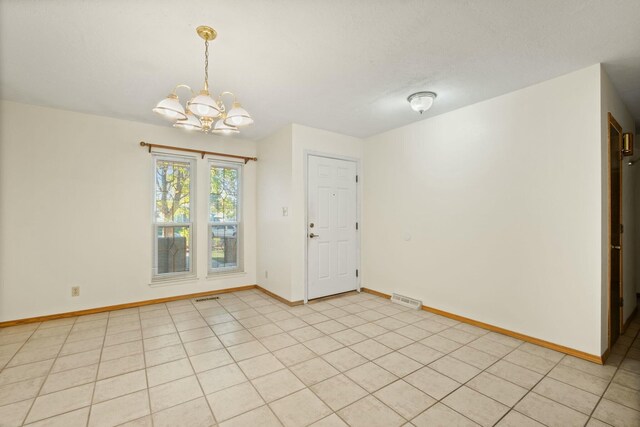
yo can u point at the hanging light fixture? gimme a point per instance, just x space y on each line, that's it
203 112
421 101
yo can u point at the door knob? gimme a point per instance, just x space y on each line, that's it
313 235
615 247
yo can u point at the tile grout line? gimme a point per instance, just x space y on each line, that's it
267 404
48 372
531 391
146 373
287 368
95 381
463 384
618 367
394 350
63 389
398 378
195 374
368 394
453 326
20 348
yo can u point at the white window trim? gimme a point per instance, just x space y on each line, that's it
179 276
215 272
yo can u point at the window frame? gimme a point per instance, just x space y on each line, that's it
180 275
239 223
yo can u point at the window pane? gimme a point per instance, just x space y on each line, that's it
173 246
223 198
224 246
173 179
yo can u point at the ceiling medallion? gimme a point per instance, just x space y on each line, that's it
202 112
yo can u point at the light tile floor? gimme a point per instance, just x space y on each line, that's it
245 359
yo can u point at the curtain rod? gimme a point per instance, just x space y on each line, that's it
201 152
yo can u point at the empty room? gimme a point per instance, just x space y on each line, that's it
319 213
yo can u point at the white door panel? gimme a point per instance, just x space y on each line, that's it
332 202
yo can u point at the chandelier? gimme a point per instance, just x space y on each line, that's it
202 112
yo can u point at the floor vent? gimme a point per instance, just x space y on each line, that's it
406 301
206 299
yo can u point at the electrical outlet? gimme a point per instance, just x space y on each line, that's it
75 291
266 274
285 211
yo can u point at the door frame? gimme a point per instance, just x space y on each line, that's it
307 154
612 122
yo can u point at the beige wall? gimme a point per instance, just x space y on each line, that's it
493 211
274 228
76 206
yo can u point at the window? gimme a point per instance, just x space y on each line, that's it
224 217
173 217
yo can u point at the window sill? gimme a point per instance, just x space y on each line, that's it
225 275
157 283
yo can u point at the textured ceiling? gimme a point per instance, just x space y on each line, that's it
345 66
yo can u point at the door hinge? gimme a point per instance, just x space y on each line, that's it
621 302
356 272
356 178
356 225
621 228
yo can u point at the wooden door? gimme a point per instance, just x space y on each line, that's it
615 231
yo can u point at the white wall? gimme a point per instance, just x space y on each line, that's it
75 209
611 103
493 211
274 228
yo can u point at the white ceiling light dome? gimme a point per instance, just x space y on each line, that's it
222 128
190 123
170 108
421 101
204 105
238 116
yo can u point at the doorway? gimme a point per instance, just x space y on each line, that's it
332 226
615 230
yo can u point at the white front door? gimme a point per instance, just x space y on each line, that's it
331 228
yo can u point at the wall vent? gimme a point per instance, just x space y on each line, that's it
206 299
406 301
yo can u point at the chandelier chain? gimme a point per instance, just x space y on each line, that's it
206 65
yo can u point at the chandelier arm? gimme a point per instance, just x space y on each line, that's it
175 89
221 102
227 93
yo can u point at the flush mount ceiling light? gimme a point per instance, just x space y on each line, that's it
421 101
202 112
